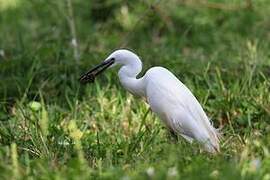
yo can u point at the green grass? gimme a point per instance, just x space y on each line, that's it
51 127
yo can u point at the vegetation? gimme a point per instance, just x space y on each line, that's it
51 127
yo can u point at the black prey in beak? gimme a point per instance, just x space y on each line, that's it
92 73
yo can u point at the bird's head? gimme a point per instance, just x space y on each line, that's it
118 57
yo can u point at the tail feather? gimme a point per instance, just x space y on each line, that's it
212 143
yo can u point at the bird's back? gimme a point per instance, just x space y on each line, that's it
177 107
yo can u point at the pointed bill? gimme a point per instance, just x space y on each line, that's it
90 75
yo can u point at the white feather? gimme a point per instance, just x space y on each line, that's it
169 98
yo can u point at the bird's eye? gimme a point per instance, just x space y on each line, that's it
113 59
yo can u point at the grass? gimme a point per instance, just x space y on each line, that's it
51 127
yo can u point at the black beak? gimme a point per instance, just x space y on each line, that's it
92 73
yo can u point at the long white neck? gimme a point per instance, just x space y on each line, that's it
127 75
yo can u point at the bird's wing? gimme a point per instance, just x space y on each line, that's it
173 101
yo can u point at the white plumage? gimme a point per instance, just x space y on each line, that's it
168 97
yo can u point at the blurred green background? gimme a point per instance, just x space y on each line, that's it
51 127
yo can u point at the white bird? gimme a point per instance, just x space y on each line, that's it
167 96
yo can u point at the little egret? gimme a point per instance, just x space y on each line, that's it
167 96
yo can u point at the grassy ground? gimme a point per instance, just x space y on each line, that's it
51 127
